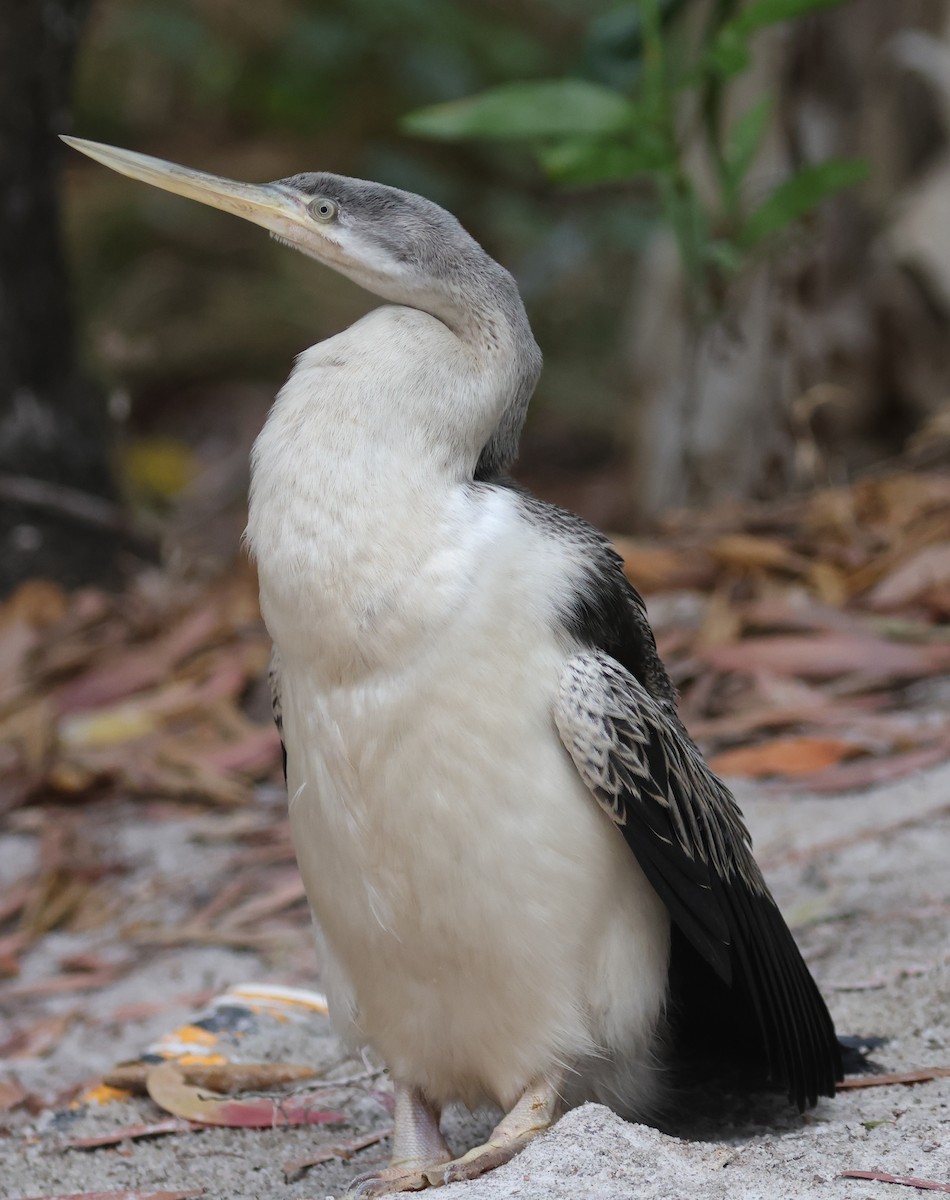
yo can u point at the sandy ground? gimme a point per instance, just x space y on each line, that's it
864 880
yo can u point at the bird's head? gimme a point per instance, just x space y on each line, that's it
395 244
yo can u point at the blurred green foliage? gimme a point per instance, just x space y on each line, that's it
261 91
174 293
586 132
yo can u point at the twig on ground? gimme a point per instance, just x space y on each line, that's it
345 1150
129 1133
924 1075
124 1194
924 1185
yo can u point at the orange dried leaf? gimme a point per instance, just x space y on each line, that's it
70 777
722 622
12 1093
39 602
219 1077
784 756
828 582
653 568
102 1094
744 551
869 772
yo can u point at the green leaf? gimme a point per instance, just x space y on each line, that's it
547 108
745 138
762 13
586 160
724 255
798 195
729 53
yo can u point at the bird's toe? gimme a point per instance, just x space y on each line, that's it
476 1162
385 1182
535 1112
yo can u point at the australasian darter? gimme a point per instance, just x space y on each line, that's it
501 823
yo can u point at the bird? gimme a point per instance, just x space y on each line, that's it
524 876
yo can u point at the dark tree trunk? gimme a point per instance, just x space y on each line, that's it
52 421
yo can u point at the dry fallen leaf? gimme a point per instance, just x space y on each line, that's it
909 583
871 771
744 551
12 1093
56 985
166 1086
145 666
39 1038
827 655
11 947
287 891
142 693
105 726
784 756
40 602
655 568
225 1077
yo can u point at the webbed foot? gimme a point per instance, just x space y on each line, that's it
535 1112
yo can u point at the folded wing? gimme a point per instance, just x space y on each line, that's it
687 834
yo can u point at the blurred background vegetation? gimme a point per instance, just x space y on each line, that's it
754 366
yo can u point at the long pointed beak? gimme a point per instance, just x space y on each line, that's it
266 204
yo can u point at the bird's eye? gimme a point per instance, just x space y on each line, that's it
322 209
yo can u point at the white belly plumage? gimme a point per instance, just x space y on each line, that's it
484 922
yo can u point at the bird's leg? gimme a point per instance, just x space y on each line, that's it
538 1109
418 1147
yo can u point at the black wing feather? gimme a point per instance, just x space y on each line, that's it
687 833
273 679
683 826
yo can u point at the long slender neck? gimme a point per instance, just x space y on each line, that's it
355 476
478 301
482 306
